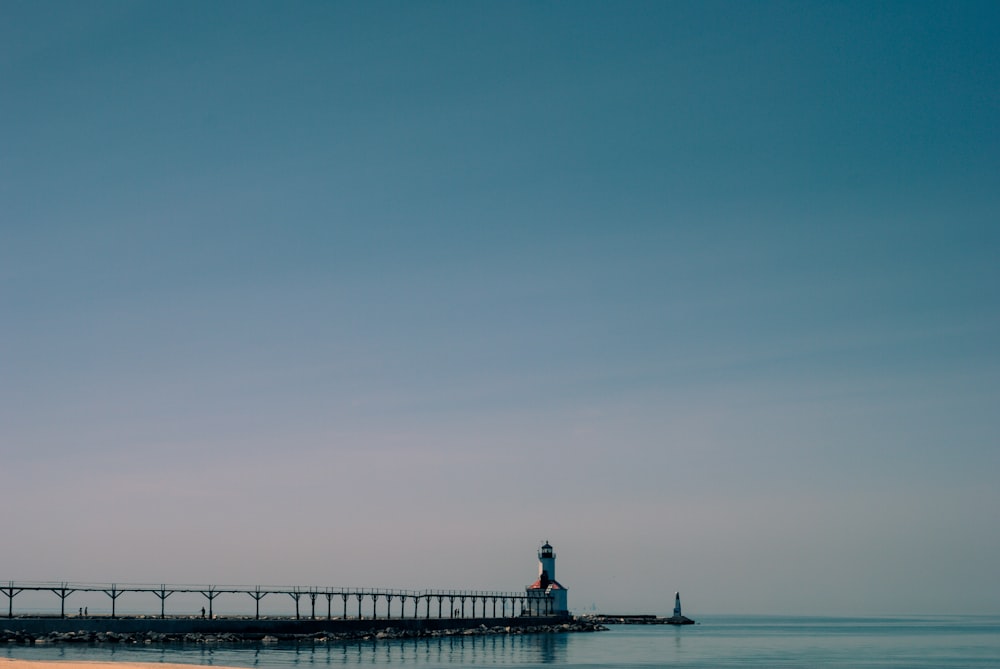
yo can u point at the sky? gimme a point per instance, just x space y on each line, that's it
387 294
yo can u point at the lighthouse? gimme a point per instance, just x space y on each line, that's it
678 618
547 596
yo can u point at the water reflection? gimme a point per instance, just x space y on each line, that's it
470 650
552 648
462 650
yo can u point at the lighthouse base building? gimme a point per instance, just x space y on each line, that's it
546 596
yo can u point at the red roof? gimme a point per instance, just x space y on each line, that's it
537 585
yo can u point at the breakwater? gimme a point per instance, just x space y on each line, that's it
195 630
636 619
330 614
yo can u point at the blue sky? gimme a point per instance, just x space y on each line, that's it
387 293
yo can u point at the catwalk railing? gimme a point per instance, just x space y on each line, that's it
512 604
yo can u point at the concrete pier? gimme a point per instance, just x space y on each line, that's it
369 603
250 629
143 631
343 613
636 619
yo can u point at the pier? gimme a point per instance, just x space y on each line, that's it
318 610
334 603
643 618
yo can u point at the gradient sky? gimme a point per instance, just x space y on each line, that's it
386 294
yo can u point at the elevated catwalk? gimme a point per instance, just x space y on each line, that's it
364 602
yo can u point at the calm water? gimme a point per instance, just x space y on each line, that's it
719 641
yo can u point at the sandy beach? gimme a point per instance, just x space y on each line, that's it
8 663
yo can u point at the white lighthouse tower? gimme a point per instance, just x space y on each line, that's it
547 596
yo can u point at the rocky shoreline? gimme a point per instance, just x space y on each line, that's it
23 637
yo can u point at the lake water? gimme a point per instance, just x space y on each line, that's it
939 642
